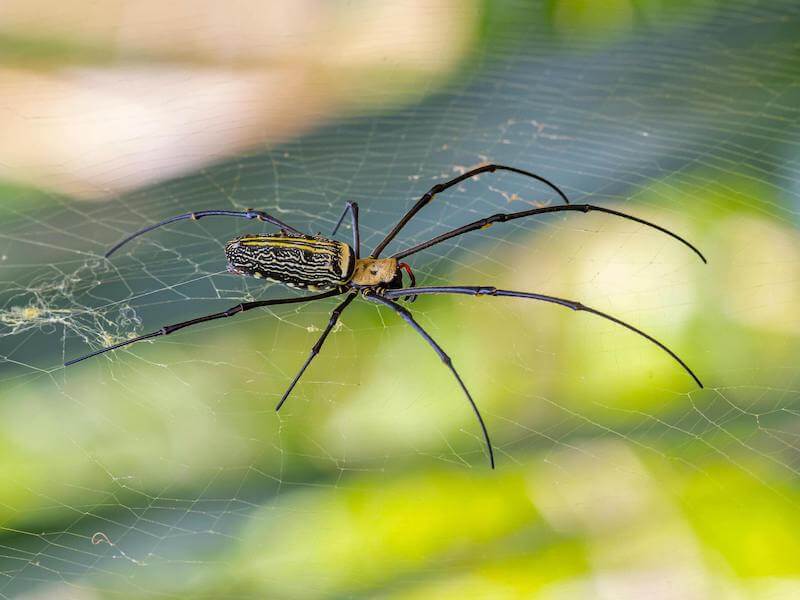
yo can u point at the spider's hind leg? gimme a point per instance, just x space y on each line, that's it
408 318
234 310
352 207
248 213
335 314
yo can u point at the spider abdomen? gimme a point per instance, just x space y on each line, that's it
301 261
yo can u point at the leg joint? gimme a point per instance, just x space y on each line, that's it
235 310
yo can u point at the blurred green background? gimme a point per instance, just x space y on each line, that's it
162 471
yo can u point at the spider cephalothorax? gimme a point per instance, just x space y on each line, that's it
373 274
318 263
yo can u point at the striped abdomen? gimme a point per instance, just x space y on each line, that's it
301 261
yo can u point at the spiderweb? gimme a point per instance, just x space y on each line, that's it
163 470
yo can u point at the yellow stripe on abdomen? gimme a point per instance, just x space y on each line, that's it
305 245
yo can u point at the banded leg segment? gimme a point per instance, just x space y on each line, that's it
408 318
200 214
234 310
440 187
572 304
335 314
503 217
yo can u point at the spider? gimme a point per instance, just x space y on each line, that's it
331 268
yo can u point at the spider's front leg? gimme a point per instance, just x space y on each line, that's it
441 187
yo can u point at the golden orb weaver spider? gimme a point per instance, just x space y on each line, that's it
317 263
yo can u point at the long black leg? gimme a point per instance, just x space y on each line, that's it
406 316
502 217
353 208
492 291
335 314
194 216
440 187
235 310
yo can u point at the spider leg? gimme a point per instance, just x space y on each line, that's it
440 187
335 314
194 216
503 217
406 316
235 310
577 306
353 208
